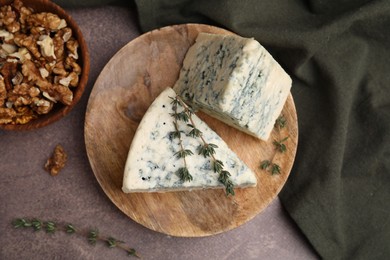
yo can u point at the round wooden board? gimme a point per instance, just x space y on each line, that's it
126 87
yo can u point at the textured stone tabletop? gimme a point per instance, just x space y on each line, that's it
75 196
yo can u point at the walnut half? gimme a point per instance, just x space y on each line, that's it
57 161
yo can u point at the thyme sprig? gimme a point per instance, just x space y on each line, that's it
182 172
206 149
92 235
280 146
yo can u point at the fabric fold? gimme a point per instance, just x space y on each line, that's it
337 54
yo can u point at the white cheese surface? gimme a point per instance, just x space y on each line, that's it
235 80
151 163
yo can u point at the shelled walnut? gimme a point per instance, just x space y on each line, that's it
57 161
39 63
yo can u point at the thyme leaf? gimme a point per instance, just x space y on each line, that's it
180 116
275 169
224 176
206 149
265 164
280 146
113 242
195 132
21 222
70 229
50 227
183 153
218 166
271 167
36 224
175 102
93 236
229 188
184 174
281 122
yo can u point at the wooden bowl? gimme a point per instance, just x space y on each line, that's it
59 110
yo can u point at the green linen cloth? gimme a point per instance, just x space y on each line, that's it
338 54
86 3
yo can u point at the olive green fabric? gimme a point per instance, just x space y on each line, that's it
338 54
87 3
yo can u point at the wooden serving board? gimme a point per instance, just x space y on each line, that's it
126 87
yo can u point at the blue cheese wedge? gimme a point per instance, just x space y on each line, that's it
235 80
152 164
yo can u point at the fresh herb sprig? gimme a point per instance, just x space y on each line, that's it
280 146
92 235
206 149
182 172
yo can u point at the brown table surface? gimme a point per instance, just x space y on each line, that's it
75 196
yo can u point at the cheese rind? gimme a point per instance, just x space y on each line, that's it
235 80
151 163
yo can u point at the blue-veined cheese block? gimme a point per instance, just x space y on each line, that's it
235 80
152 162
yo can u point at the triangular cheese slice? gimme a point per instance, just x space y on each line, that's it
152 164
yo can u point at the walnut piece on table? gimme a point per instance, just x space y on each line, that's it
57 161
